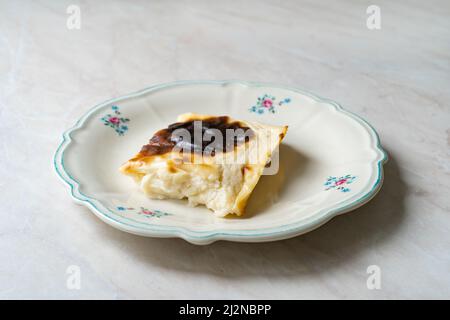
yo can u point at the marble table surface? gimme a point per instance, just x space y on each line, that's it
397 77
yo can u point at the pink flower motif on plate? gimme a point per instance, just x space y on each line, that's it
116 121
339 183
267 103
145 212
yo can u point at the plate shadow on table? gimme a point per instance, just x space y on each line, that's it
334 244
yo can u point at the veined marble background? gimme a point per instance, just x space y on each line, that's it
397 77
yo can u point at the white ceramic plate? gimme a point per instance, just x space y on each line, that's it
330 161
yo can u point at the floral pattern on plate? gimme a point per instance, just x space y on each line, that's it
339 183
116 121
267 103
145 212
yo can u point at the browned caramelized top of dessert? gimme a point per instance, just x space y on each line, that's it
199 136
